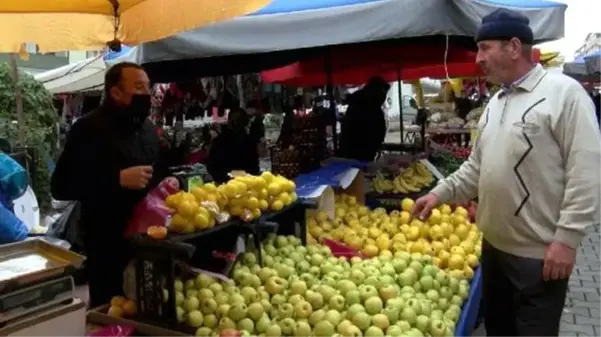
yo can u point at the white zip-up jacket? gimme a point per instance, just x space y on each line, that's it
535 166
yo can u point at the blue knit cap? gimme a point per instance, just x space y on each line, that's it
505 24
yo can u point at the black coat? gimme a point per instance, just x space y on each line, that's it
232 150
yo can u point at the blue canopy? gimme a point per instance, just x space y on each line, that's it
286 25
111 55
584 68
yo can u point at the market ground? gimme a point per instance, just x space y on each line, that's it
581 312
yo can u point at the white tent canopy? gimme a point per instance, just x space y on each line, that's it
82 76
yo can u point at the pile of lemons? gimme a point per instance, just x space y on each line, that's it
244 196
447 236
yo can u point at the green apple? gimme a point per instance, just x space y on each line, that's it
191 304
437 328
415 304
426 282
344 286
414 333
208 306
285 310
270 249
326 280
298 287
191 293
255 311
283 270
179 298
445 292
443 304
407 289
275 285
367 291
249 259
436 285
357 276
327 292
222 298
308 279
426 307
397 302
315 271
417 266
190 284
453 313
238 312
250 294
265 304
436 314
407 278
302 329
178 285
226 323
334 317
381 321
315 299
281 241
454 284
432 295
203 331
236 299
374 305
273 330
464 291
278 299
342 326
317 260
388 292
423 323
246 324
268 261
392 313
373 281
362 320
337 302
323 328
262 323
295 299
265 273
409 315
456 300
223 309
205 293
204 281
288 325
388 269
352 297
399 265
353 309
394 331
180 314
303 309
404 325
230 290
210 321
374 331
317 316
442 278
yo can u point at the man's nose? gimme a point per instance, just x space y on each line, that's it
479 57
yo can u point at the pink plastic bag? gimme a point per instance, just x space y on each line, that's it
113 331
152 211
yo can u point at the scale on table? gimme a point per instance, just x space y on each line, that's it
35 298
34 276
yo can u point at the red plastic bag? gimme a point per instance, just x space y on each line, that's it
152 211
113 331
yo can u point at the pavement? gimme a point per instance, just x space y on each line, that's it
581 313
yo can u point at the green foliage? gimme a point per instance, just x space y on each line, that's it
40 126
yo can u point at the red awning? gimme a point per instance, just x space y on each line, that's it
355 66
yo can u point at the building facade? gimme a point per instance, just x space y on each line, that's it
39 62
591 44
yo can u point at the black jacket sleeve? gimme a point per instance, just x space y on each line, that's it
84 171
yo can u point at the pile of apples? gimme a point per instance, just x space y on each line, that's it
448 236
244 196
306 291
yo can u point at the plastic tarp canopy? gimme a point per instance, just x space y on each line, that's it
82 76
593 62
299 24
582 71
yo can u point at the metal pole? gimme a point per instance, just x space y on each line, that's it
400 92
330 96
14 71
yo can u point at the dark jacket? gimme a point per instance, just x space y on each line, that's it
98 147
363 127
232 150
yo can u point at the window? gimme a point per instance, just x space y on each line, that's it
31 48
92 53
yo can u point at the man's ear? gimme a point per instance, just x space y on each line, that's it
115 93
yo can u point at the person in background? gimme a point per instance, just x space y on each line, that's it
13 183
364 124
256 110
421 117
233 149
535 171
110 161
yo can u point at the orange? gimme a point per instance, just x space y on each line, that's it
118 301
157 232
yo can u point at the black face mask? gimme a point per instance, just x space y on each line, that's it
137 111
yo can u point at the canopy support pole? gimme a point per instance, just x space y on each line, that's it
330 96
400 94
14 71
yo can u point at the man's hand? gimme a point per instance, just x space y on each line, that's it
424 205
136 177
559 261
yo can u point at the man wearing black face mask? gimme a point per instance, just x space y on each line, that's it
108 164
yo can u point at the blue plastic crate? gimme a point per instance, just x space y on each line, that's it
471 308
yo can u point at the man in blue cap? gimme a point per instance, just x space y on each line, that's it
535 169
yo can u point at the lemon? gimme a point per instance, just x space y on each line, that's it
188 229
383 243
267 176
284 197
201 221
274 189
186 209
445 209
293 197
263 204
256 213
277 205
252 203
177 223
461 211
407 204
236 210
370 250
210 187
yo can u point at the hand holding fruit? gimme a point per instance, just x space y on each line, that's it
135 177
424 205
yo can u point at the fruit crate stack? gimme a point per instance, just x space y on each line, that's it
309 137
285 161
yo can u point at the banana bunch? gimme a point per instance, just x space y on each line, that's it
412 179
382 185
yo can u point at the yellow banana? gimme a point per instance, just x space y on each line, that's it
408 186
